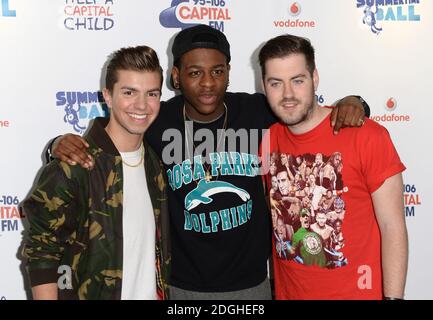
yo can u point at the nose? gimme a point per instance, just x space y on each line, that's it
207 80
141 102
288 92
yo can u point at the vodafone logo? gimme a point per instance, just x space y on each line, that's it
295 9
295 21
391 104
4 123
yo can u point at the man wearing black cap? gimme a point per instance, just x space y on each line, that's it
220 226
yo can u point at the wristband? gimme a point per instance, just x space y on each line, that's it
48 152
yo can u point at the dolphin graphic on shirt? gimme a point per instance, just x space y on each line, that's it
205 189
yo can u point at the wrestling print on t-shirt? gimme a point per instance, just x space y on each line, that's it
307 207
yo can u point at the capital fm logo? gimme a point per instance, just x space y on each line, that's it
390 105
294 10
88 15
186 13
10 214
377 13
412 199
6 9
81 107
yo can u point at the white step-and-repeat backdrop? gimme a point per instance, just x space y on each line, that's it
52 53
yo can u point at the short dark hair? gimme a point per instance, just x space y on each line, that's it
139 58
285 45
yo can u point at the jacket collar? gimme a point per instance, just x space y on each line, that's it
100 137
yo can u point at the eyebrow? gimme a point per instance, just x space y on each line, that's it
135 90
128 88
196 66
301 75
154 89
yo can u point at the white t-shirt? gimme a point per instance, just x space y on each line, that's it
138 282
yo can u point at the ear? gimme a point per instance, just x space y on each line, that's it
107 97
175 77
228 76
316 79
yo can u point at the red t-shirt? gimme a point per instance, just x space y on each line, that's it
326 240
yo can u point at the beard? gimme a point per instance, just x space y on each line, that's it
294 117
303 109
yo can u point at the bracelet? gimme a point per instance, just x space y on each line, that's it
392 298
48 152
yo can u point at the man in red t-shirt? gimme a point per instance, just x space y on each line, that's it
349 234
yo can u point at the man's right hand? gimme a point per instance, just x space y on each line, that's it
72 149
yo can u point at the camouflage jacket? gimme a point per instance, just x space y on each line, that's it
75 218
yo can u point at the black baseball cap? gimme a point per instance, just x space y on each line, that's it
200 36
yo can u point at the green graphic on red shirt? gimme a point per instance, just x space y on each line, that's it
307 207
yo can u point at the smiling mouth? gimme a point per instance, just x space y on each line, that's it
138 116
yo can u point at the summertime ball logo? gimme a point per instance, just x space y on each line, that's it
378 12
81 107
186 13
294 10
89 15
390 105
6 9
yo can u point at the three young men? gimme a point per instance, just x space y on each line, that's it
219 219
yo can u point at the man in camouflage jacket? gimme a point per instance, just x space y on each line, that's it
75 218
76 215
